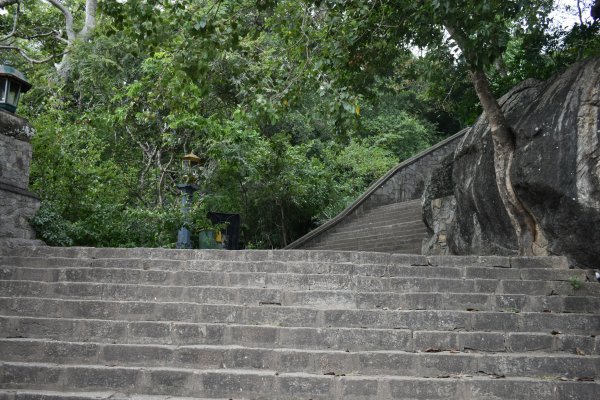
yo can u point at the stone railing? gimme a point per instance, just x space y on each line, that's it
404 182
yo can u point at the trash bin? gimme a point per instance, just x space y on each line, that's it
206 240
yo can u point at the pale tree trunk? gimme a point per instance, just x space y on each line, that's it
526 229
64 67
530 239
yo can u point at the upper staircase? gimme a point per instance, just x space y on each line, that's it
393 228
83 323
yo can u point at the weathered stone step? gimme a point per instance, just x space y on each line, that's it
269 336
199 272
271 384
388 221
442 320
315 282
401 206
318 362
22 394
393 230
426 294
84 256
409 246
379 221
376 241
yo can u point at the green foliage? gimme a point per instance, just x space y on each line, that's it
576 283
51 227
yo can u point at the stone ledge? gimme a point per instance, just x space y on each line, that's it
17 190
14 126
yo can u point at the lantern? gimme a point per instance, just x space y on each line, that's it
12 84
190 164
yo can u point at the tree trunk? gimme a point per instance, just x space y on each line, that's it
283 228
529 237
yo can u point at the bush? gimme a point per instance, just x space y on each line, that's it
51 227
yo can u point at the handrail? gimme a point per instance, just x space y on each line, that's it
378 184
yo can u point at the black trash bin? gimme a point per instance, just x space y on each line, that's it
232 232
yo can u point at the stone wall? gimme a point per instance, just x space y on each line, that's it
17 203
404 182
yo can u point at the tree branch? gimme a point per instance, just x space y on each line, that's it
68 18
4 3
90 18
15 20
31 60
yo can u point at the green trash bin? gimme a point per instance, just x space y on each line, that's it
206 240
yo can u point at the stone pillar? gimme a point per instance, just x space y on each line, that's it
17 203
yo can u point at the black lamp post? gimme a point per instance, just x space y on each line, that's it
12 84
190 164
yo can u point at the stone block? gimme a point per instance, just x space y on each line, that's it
27 375
494 321
170 382
294 361
136 355
184 333
98 330
510 389
254 335
576 344
357 388
201 357
141 330
482 341
435 340
314 387
81 377
354 318
539 262
230 385
524 342
278 316
65 352
423 389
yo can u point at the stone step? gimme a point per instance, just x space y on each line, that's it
407 246
337 282
84 255
405 205
413 299
442 320
272 384
48 257
366 222
386 220
179 272
270 336
410 207
375 240
22 394
317 362
384 230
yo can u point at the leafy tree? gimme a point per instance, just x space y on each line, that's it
35 27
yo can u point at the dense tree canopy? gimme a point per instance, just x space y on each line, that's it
296 106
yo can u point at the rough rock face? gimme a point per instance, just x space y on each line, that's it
556 171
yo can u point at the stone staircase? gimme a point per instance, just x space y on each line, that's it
394 228
84 323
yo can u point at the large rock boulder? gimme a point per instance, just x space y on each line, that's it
556 171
